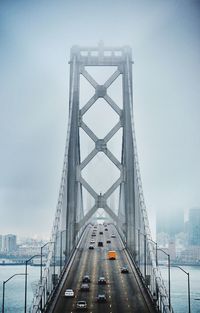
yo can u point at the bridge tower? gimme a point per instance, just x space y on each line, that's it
128 217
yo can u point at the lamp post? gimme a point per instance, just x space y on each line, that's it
3 294
25 291
139 248
156 250
188 277
145 251
41 258
61 249
169 279
54 262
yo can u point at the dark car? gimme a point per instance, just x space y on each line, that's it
101 298
100 244
91 247
124 270
81 305
85 287
108 241
102 281
100 233
86 279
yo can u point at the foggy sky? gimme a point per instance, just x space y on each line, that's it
35 41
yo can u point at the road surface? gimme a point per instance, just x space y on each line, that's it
122 290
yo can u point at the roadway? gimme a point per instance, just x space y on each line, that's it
122 291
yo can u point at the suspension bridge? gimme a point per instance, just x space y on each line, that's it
85 231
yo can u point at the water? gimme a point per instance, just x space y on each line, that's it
179 288
14 298
14 288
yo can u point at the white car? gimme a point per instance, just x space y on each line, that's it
81 305
69 293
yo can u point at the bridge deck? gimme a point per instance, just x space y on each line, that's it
122 290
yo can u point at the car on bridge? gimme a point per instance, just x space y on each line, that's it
92 241
101 298
124 270
112 255
86 279
69 293
85 287
108 241
100 233
91 247
102 281
81 305
113 236
100 244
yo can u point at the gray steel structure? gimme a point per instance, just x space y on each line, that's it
131 220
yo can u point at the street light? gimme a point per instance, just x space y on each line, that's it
3 295
41 258
169 279
61 249
145 250
139 248
156 250
25 291
188 276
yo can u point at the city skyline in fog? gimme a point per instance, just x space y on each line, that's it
35 43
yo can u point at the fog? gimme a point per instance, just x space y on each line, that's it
35 42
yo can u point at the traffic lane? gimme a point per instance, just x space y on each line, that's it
87 265
98 268
72 281
103 289
137 301
104 270
87 269
108 289
115 293
122 302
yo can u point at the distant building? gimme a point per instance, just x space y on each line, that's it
170 223
172 250
9 243
194 227
190 255
162 239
